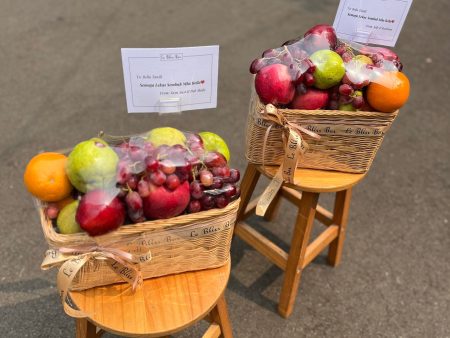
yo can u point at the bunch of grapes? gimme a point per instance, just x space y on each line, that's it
214 185
143 167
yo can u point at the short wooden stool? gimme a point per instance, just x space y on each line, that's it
162 306
305 194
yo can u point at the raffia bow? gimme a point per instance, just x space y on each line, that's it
71 260
294 147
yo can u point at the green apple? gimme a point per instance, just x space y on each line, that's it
66 219
166 135
330 68
92 164
213 142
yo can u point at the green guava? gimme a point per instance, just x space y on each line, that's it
91 165
66 219
213 142
330 68
166 135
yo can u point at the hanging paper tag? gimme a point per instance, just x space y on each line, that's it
371 21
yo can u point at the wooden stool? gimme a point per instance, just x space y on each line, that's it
160 307
305 194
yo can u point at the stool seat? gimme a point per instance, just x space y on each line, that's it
317 180
161 306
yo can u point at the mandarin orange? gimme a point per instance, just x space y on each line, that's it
388 92
45 177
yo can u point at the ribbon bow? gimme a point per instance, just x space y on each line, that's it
72 259
295 146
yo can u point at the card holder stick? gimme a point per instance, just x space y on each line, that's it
169 105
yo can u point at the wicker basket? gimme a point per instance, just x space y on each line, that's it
184 243
352 153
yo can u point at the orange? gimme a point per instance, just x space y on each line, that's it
389 92
45 177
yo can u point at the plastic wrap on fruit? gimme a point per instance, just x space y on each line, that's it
319 71
111 181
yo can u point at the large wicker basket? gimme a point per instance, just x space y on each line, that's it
184 243
352 153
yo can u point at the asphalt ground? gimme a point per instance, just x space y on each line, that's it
61 82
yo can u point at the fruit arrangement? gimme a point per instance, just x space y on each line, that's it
102 185
319 71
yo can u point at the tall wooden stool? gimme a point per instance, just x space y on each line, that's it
304 193
160 307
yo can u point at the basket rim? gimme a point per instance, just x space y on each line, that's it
56 239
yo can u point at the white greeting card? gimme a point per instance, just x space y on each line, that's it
371 21
166 80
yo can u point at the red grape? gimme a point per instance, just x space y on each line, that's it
132 182
238 193
158 177
257 65
207 202
133 201
196 190
270 53
123 171
206 177
309 79
235 175
341 49
333 105
345 89
151 164
172 182
137 154
194 206
215 159
143 188
221 201
229 190
217 183
52 211
167 167
358 102
136 216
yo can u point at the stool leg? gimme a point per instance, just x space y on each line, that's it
248 184
272 210
340 218
220 315
85 329
300 239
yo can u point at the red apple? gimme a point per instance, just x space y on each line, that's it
274 84
99 212
325 31
166 203
312 99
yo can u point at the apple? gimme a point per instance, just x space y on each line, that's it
162 202
99 212
311 99
326 31
274 84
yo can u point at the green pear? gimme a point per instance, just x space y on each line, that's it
92 165
166 135
66 219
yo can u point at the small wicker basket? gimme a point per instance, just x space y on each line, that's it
185 243
348 140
